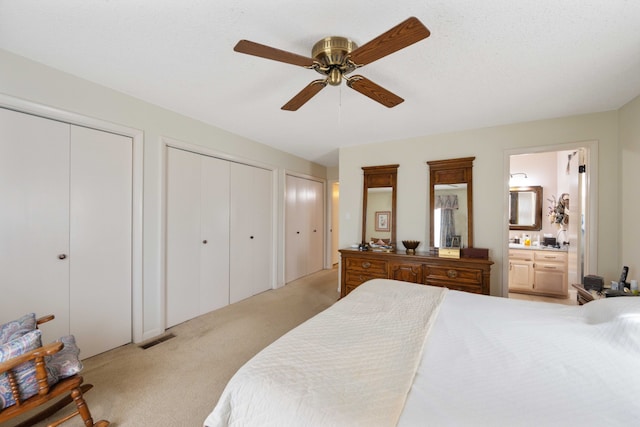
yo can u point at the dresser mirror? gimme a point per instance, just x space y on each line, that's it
525 208
451 203
379 204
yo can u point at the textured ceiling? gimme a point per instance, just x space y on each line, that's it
486 62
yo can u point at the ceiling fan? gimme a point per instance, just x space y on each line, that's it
335 57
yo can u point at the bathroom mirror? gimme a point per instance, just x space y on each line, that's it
451 203
525 208
379 203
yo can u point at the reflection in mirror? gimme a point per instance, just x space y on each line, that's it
379 219
525 208
379 204
450 215
451 202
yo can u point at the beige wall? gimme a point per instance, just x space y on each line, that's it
30 81
629 227
490 146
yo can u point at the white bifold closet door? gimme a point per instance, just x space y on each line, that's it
251 231
304 227
65 221
197 235
219 233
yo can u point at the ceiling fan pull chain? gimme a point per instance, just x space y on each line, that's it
340 105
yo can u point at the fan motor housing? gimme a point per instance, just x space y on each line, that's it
332 52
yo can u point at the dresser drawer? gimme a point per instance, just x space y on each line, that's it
355 278
463 276
458 286
367 266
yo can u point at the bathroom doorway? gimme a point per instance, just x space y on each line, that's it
564 172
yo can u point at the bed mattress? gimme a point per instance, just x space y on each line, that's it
394 353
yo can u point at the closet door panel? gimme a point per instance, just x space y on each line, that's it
294 257
316 229
262 230
34 219
250 231
183 237
304 227
100 239
214 255
241 231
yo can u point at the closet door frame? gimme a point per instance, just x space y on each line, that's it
137 136
206 151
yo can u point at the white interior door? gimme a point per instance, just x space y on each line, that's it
100 239
183 241
34 220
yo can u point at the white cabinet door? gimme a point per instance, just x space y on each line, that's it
34 220
251 253
100 239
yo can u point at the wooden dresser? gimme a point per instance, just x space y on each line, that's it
464 274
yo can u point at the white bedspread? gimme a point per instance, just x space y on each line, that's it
486 361
351 365
492 361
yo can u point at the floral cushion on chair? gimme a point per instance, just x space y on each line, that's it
66 362
17 328
25 374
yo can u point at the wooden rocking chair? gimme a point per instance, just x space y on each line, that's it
72 387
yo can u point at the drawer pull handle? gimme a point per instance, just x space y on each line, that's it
452 274
366 264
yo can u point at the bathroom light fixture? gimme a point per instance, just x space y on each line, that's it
518 173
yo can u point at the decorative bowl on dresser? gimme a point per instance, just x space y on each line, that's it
463 274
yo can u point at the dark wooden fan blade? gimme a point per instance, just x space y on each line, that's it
373 91
257 49
402 35
304 95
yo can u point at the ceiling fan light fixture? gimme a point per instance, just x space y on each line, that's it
334 77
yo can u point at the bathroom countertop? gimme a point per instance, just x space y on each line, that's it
564 248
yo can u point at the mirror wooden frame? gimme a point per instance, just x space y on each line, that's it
380 177
537 225
452 171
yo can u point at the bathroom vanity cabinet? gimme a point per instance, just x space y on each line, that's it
538 272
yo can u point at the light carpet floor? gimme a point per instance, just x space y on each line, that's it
178 382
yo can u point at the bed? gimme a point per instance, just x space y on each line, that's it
396 353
